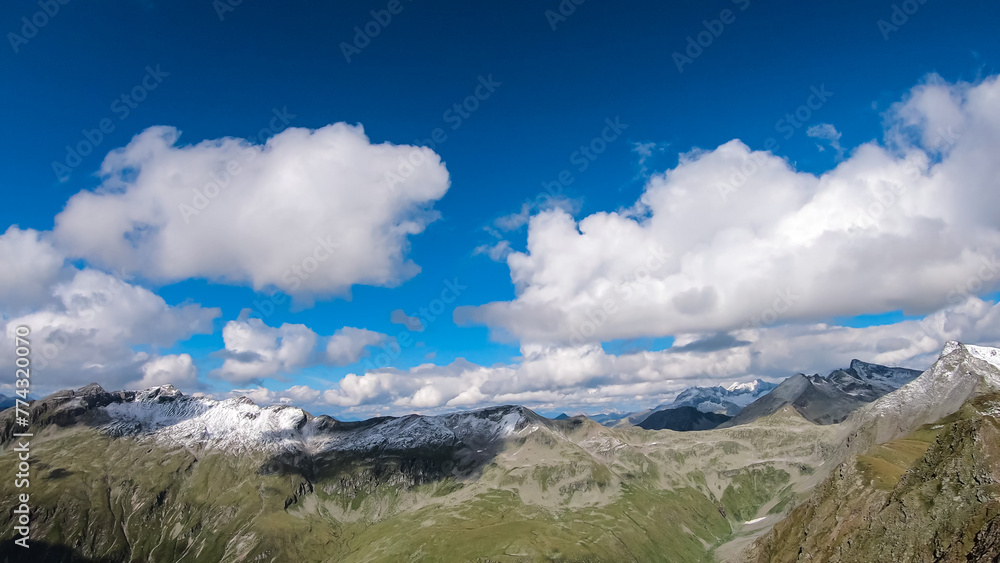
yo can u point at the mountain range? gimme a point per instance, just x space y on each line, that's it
828 400
823 400
727 401
720 400
155 475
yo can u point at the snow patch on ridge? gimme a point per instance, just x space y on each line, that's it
988 355
236 424
239 424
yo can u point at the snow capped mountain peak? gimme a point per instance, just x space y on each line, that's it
950 347
957 375
748 387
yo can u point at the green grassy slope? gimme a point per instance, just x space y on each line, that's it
573 493
931 496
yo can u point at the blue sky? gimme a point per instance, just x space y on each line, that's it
555 83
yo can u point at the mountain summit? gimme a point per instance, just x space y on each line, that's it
961 373
749 386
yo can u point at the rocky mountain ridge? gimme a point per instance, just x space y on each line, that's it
159 476
164 415
920 480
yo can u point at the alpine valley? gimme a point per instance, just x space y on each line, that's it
868 463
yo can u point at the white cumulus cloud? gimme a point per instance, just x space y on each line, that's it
175 369
732 238
91 329
254 350
348 344
310 212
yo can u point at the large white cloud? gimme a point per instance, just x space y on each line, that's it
311 212
733 237
92 328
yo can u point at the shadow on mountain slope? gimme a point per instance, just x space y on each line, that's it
408 451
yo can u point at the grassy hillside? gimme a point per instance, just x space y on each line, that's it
575 492
931 496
